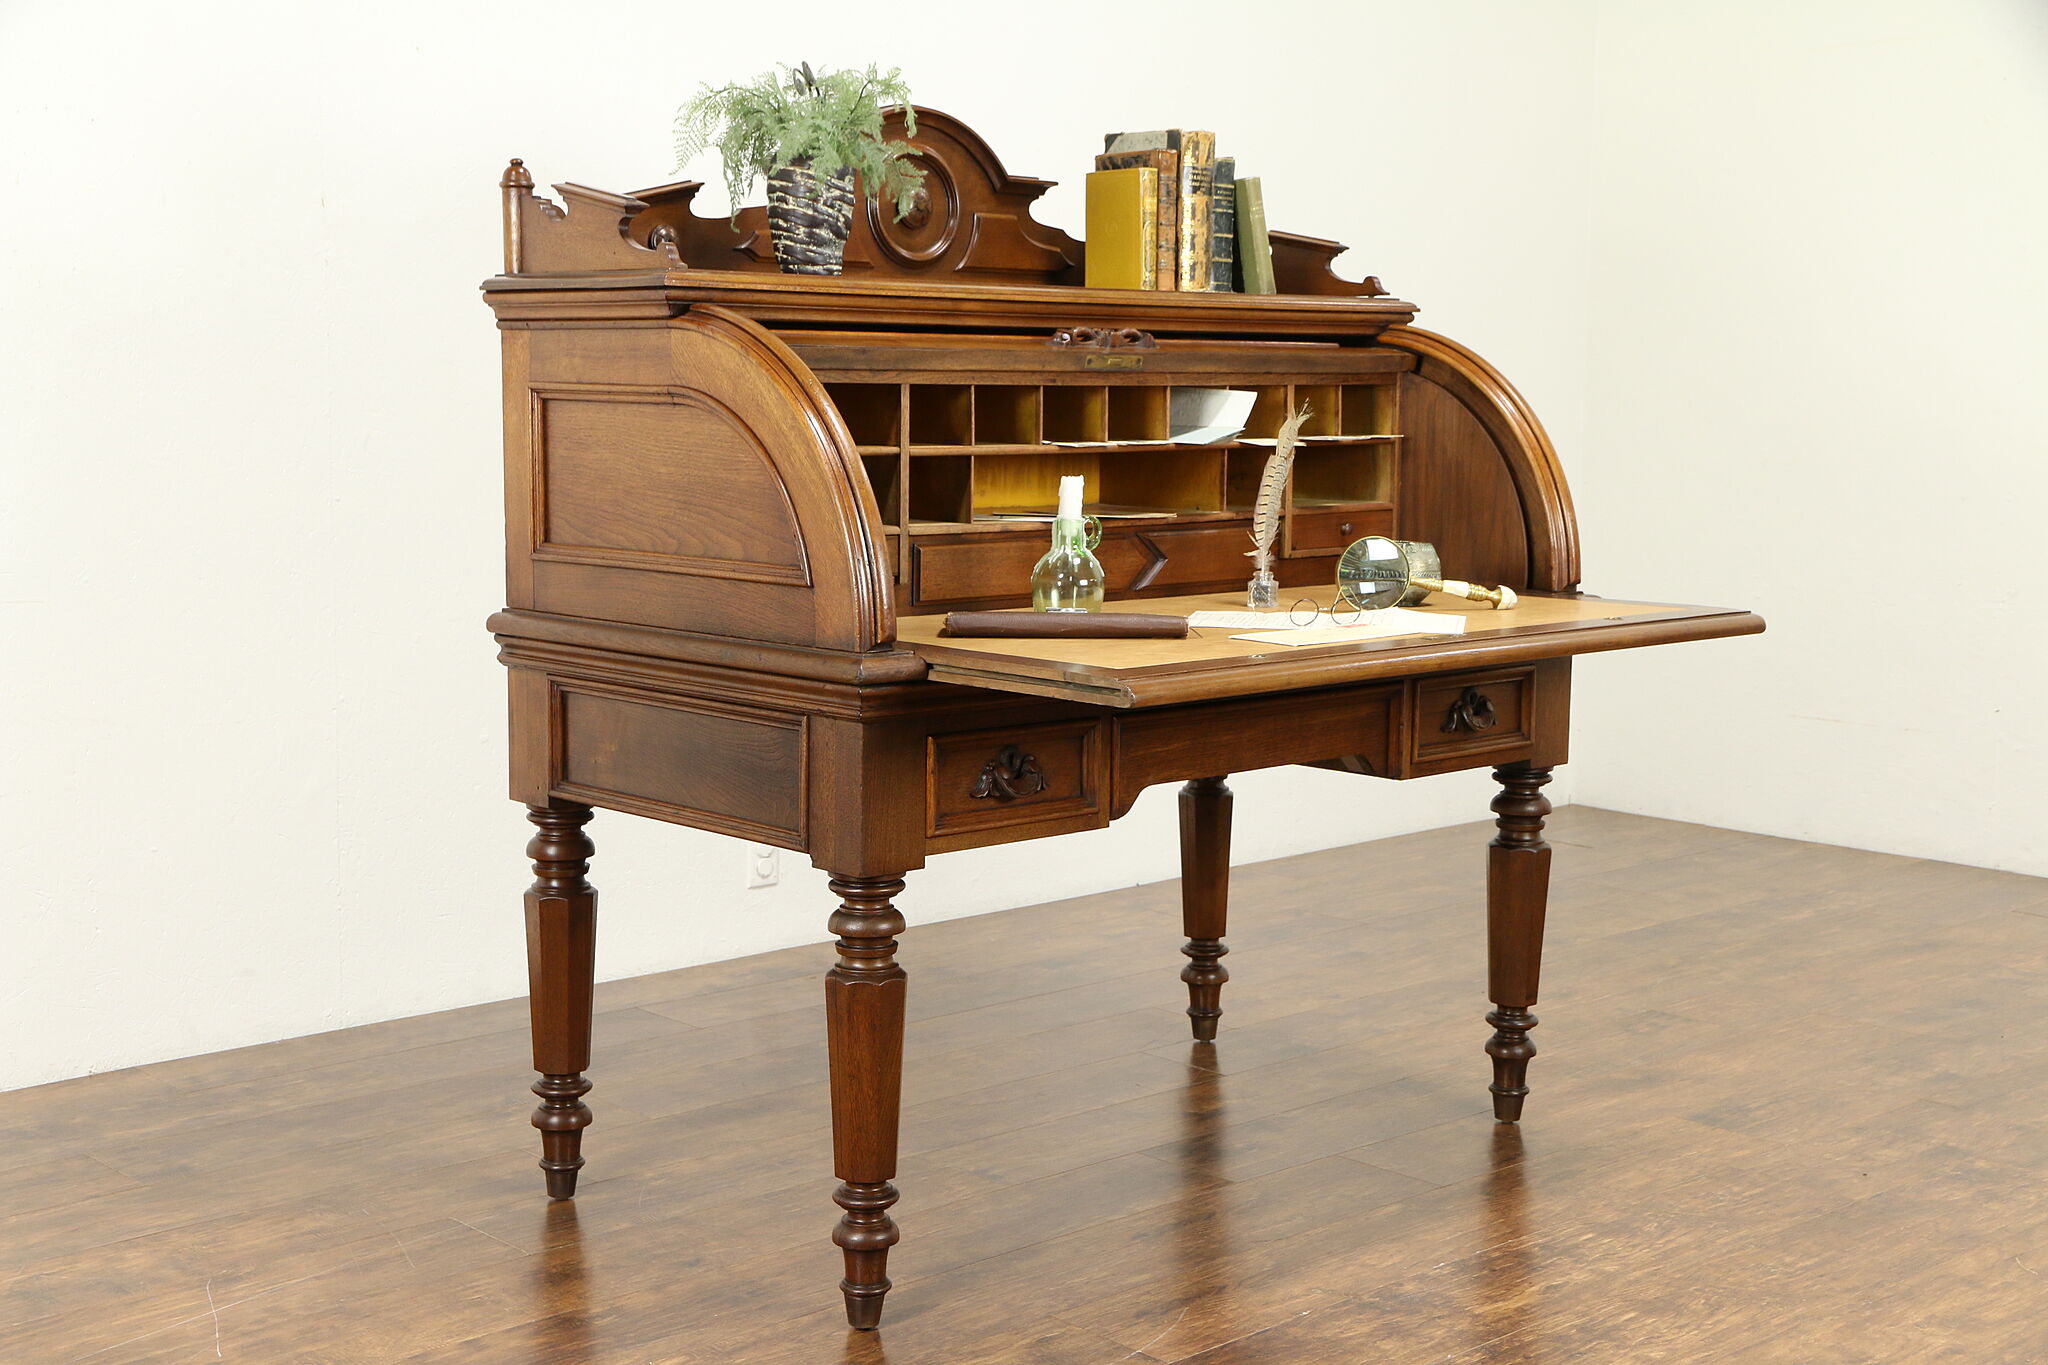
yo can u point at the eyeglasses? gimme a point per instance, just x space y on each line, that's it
1306 612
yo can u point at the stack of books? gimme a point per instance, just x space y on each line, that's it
1165 212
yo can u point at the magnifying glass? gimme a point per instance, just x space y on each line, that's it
1378 572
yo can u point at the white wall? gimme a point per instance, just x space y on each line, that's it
254 729
1772 274
1818 340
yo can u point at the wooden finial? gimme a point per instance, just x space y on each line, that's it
515 188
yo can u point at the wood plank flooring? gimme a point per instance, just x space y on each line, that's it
1784 1111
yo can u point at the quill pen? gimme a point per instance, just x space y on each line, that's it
1272 495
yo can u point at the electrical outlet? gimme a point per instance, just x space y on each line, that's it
764 866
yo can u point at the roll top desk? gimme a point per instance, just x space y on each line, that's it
738 501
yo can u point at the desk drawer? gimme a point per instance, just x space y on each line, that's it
1468 719
1350 726
1327 533
1048 777
995 566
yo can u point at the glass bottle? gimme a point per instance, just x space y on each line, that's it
1263 590
1069 577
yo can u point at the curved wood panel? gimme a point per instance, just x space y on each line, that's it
709 486
1456 492
1308 265
1522 447
854 601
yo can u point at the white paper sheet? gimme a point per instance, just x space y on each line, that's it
1202 417
1240 620
1304 440
1374 625
1100 514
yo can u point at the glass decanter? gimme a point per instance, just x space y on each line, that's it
1069 577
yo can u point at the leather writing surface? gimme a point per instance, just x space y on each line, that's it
1210 664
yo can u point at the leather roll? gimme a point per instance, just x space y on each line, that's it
1066 625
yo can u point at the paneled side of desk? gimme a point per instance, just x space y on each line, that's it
693 476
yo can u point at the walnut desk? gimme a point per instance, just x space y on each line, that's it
737 502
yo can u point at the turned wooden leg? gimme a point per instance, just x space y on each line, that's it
1517 889
864 1023
1204 898
561 918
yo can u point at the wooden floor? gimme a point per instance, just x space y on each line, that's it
1786 1111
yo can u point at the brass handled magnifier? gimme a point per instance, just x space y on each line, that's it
1376 573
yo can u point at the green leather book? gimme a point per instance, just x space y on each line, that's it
1254 247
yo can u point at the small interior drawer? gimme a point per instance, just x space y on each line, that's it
1468 718
1013 776
997 567
1328 532
970 569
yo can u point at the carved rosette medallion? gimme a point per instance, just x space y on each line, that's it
927 231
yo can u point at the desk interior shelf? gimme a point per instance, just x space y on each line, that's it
950 458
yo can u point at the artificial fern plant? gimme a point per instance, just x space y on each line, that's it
831 119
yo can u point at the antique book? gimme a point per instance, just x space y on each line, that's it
1167 164
1123 229
1223 228
1254 247
1196 172
1197 202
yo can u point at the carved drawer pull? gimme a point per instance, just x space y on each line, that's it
1009 775
1472 711
1103 338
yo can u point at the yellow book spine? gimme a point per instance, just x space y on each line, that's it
1166 163
1122 229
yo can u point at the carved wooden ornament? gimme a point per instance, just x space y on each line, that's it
1473 710
1009 775
972 220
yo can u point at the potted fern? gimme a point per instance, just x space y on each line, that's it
810 133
